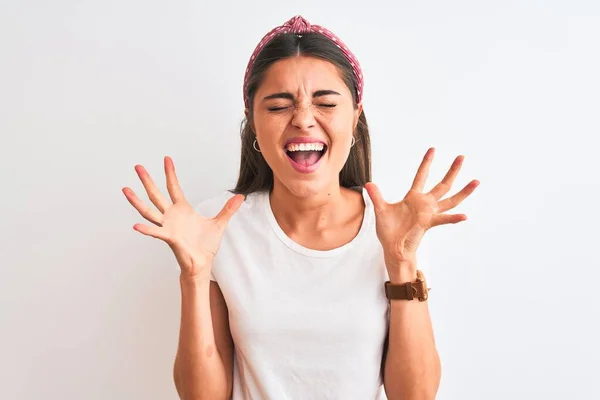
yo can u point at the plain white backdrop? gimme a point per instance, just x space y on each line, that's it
89 308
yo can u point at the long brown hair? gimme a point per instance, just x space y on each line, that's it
255 174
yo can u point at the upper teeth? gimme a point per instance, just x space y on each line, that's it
305 147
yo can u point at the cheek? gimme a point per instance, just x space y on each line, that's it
269 132
339 131
338 127
269 129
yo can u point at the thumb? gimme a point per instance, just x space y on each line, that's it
376 197
230 208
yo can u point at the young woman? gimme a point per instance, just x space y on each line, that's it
302 282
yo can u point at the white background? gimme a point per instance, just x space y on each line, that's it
89 308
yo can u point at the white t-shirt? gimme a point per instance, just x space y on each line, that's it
306 324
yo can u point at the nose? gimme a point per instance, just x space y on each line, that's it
303 117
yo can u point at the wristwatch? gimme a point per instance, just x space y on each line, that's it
409 290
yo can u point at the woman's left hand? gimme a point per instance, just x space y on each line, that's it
401 226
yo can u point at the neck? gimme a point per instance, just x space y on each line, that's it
310 212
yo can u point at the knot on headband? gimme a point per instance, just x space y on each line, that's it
299 26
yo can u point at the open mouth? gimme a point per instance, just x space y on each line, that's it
306 158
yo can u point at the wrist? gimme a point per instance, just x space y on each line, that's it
194 280
402 271
198 272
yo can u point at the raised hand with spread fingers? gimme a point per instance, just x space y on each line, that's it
194 239
401 225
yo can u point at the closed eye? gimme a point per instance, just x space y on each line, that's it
283 108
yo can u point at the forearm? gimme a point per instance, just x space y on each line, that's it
199 372
412 367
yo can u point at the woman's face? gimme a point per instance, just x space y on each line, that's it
304 99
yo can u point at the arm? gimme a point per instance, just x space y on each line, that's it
204 363
412 367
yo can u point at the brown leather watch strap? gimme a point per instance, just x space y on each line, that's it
405 291
408 290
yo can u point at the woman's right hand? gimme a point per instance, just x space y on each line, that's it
194 239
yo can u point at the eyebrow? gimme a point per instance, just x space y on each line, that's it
289 96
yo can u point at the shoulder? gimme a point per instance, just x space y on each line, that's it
211 206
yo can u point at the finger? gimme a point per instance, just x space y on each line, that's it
444 219
230 208
376 196
451 202
150 214
446 184
154 194
153 231
173 187
423 171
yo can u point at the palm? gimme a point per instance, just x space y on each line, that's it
197 236
401 226
194 239
412 216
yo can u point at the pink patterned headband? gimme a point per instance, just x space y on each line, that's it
299 26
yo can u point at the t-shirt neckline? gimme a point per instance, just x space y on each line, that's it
365 225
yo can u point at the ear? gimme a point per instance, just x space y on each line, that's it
246 113
357 113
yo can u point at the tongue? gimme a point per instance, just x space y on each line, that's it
306 158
